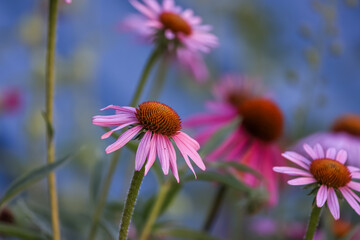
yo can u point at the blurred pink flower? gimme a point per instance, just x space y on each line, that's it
254 141
344 134
10 100
327 169
156 124
179 29
68 1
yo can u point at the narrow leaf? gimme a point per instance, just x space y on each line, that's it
30 178
238 166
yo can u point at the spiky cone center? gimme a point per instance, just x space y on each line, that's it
330 172
262 119
349 123
158 118
175 23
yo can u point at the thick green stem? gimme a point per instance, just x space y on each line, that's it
50 83
109 176
164 189
313 222
215 207
130 202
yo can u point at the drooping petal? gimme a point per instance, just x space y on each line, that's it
355 175
188 140
354 185
162 152
188 150
112 120
301 181
227 144
152 154
310 151
172 154
333 203
321 195
292 171
108 134
142 151
353 169
120 109
297 159
123 139
319 151
143 9
331 153
350 199
341 156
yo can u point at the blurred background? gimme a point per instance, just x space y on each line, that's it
307 54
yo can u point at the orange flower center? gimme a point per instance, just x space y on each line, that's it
236 98
341 228
175 23
349 123
158 118
262 119
330 172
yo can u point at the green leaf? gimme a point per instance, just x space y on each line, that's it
20 232
96 180
238 166
225 179
30 178
184 233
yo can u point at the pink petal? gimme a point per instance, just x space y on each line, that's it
142 151
292 171
355 175
143 9
341 156
331 153
207 118
173 165
154 5
333 203
120 109
319 151
354 185
188 140
310 151
297 159
353 169
163 153
228 143
123 139
152 155
108 134
321 195
357 198
187 150
301 181
111 120
350 199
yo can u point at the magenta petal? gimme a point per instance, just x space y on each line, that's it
321 195
331 153
354 185
123 139
310 151
187 150
152 155
142 151
163 153
108 134
319 151
355 175
341 156
188 140
333 203
292 171
350 199
353 169
120 109
143 9
297 159
172 154
301 181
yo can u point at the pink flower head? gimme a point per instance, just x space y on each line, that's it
157 124
180 30
328 170
68 1
254 141
10 100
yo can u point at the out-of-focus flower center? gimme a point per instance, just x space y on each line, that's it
236 98
341 228
262 119
349 123
158 118
175 23
330 172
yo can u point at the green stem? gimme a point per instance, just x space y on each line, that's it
159 78
313 222
215 207
50 83
164 189
109 176
130 202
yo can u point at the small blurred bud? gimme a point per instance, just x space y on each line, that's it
31 29
10 100
341 228
6 216
313 57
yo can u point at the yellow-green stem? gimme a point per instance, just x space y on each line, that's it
164 189
50 83
135 100
130 202
313 222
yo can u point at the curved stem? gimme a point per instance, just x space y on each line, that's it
313 222
215 207
164 189
135 100
50 83
130 202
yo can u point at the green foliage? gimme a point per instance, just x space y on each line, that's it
184 233
20 232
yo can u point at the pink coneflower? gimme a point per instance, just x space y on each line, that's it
10 100
344 134
156 124
254 140
327 169
180 30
